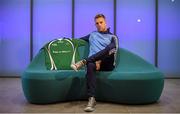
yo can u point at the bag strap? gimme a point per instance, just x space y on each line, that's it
74 50
53 65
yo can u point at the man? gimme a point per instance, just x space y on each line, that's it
103 46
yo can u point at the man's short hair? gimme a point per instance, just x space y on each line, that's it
98 16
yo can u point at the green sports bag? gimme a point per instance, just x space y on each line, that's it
61 53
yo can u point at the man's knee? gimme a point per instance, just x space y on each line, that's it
91 65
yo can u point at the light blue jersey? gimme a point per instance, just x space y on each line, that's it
98 42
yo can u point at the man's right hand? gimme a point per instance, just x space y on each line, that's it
98 65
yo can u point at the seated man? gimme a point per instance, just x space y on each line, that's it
102 54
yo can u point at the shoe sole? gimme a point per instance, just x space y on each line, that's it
89 110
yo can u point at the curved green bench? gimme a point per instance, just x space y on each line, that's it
133 81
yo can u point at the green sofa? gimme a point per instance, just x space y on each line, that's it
133 81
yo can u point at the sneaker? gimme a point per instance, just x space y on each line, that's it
78 65
91 105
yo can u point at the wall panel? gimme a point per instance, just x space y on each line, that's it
85 10
136 27
14 37
169 37
51 19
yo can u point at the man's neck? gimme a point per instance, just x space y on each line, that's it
105 31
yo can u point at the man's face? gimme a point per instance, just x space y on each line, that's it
100 24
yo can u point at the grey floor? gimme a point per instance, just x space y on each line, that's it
13 100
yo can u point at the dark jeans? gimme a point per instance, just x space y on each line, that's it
106 65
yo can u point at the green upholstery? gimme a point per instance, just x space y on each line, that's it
133 81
